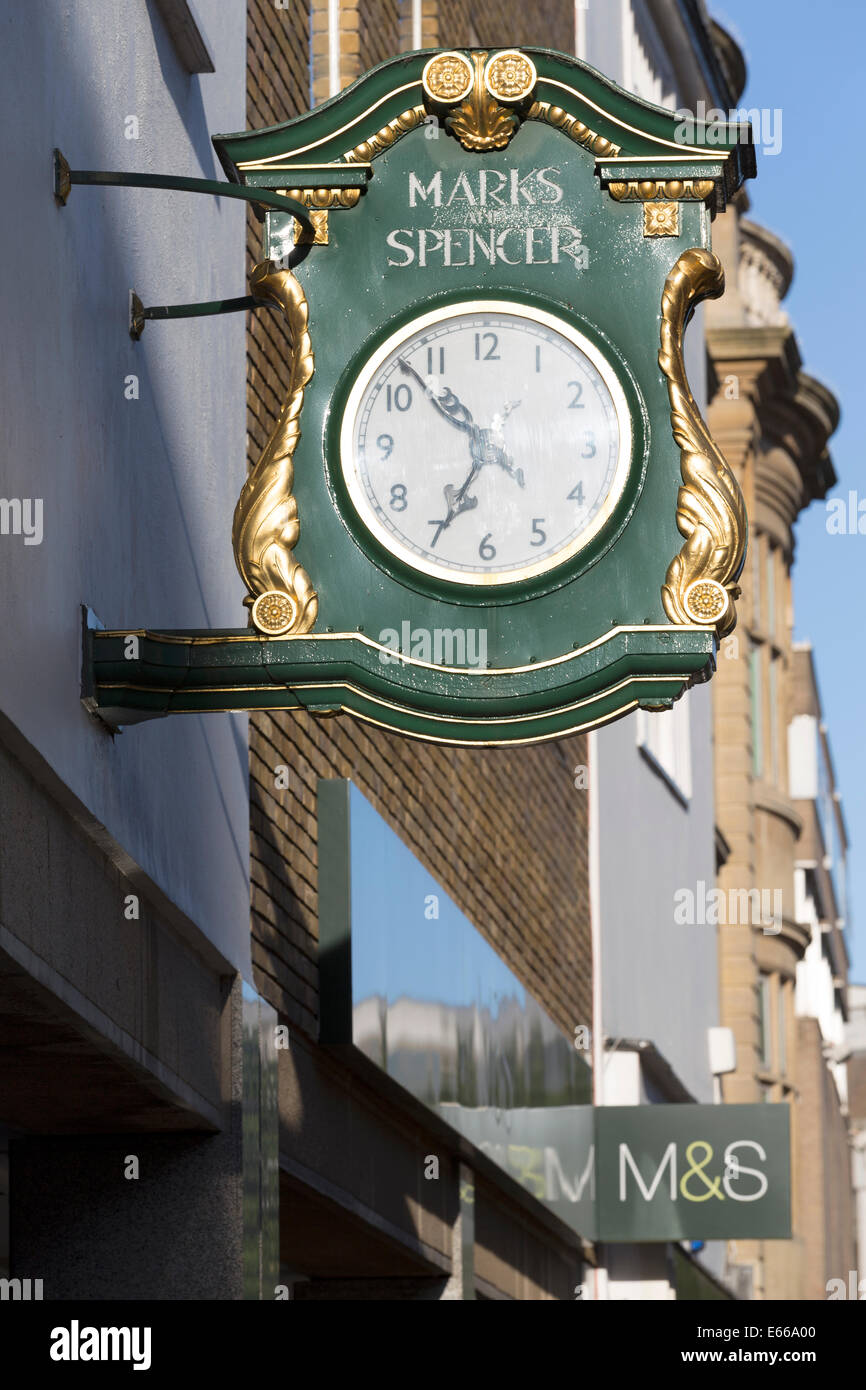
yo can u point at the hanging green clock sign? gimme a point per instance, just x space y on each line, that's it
490 511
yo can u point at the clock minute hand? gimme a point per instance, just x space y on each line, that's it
445 401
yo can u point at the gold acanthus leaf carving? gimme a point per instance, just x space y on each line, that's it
266 526
481 123
700 584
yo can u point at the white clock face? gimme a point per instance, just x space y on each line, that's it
486 443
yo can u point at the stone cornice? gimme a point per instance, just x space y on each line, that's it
732 60
774 950
763 248
767 798
795 415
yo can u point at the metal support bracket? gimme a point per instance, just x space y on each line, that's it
138 314
64 178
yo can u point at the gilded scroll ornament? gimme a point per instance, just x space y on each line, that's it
481 122
266 526
491 94
574 129
700 584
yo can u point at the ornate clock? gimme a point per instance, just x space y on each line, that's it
504 481
488 431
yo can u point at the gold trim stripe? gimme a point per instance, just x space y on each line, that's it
390 704
693 152
288 154
493 742
656 139
406 661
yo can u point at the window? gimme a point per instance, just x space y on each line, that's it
782 1027
648 72
764 1044
771 590
774 717
664 738
757 713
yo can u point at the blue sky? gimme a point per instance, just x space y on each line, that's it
808 63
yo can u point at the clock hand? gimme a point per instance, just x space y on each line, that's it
446 402
458 500
482 447
499 420
497 442
483 450
456 413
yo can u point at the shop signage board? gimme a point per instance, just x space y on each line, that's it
411 988
490 511
693 1172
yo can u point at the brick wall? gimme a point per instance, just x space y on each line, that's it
373 30
504 831
487 24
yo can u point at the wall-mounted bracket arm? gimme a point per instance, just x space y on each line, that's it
64 178
139 314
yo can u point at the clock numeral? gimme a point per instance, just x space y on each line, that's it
576 494
398 397
576 403
440 527
538 359
492 354
485 549
588 451
399 501
385 442
430 368
537 531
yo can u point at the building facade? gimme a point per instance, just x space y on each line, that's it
855 1039
773 422
124 901
657 981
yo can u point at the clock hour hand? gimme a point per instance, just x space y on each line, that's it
485 446
445 401
457 501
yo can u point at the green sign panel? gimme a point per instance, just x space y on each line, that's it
490 511
699 1172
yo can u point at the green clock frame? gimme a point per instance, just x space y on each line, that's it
440 178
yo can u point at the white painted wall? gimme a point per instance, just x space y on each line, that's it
138 495
659 978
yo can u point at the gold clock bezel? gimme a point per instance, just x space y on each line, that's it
484 578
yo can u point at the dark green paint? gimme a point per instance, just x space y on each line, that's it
202 310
